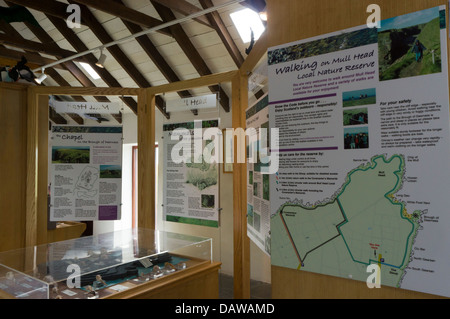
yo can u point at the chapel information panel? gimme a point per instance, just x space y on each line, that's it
86 173
363 116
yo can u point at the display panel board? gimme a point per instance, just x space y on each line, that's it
191 175
258 183
86 173
363 173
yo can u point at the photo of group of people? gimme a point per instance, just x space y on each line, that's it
357 137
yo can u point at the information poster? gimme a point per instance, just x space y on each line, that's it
364 174
191 180
258 194
86 173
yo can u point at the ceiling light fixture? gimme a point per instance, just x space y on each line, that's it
101 60
41 78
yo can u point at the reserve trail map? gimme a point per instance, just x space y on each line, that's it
362 224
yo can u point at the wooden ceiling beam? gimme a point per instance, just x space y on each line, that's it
185 8
56 117
56 11
34 60
123 12
128 66
221 29
33 46
78 45
212 20
191 52
50 7
46 40
153 53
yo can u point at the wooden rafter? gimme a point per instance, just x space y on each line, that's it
185 8
212 20
50 7
191 52
221 29
78 45
120 10
153 53
104 37
135 21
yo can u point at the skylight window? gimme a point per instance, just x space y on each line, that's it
247 21
90 70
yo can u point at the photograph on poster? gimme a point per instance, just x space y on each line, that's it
70 155
359 97
410 45
356 138
357 116
110 171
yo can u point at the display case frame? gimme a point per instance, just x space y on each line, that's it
123 264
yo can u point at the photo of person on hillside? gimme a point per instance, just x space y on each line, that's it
418 49
410 45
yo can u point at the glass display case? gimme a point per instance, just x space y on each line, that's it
99 266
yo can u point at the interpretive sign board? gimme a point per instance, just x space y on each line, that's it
191 179
363 173
86 173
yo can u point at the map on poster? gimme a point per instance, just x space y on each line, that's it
191 183
86 173
363 116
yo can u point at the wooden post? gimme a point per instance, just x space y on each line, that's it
32 169
240 239
146 160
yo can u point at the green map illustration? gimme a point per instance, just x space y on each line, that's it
362 224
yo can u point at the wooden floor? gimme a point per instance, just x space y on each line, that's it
258 289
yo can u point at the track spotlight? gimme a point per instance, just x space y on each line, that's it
41 78
101 60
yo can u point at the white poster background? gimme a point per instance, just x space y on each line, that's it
312 145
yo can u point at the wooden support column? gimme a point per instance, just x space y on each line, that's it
240 239
32 169
146 160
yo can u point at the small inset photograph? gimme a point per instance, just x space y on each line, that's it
266 186
359 97
410 45
110 171
355 117
356 138
256 187
208 201
250 215
70 155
